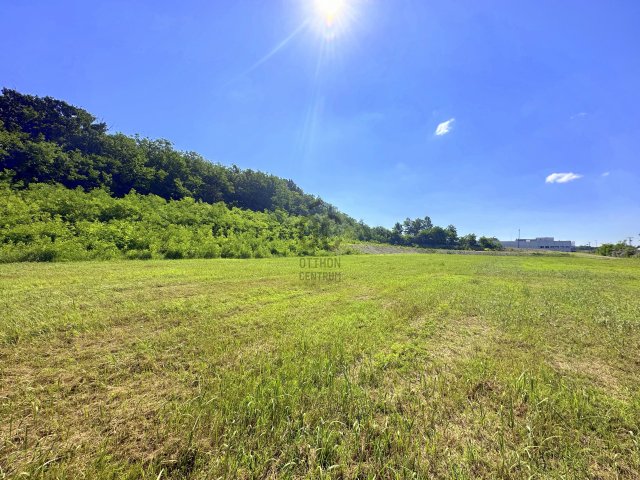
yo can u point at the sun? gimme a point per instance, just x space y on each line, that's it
332 19
330 10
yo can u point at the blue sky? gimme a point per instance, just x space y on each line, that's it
350 112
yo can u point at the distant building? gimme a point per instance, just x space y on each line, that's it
546 243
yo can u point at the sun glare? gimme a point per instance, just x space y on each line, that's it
329 10
332 18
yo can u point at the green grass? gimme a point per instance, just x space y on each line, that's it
413 366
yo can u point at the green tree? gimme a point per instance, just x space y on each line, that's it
469 242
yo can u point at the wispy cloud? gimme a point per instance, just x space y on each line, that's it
606 174
579 115
444 127
562 177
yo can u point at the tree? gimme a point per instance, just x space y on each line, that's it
396 234
381 235
452 236
489 243
414 227
468 242
406 226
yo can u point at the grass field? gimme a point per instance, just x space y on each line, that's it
411 366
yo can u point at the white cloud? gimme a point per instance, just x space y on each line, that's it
444 127
605 174
578 115
562 177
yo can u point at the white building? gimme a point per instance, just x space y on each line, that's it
546 243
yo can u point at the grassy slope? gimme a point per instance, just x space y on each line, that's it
434 365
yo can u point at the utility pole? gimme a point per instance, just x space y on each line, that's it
518 238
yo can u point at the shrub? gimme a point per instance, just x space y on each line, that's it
46 223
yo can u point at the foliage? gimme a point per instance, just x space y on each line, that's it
48 140
50 222
44 140
620 249
421 232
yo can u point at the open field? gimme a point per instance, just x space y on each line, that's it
372 248
411 366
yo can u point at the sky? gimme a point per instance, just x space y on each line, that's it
493 116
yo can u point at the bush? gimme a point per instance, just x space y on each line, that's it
139 255
46 223
620 249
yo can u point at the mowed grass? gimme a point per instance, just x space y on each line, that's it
412 366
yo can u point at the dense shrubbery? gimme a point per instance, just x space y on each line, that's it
620 249
50 223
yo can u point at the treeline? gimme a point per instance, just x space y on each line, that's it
53 223
48 140
420 232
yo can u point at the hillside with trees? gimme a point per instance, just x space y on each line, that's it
48 140
72 191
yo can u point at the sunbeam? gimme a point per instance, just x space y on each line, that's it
271 52
278 47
